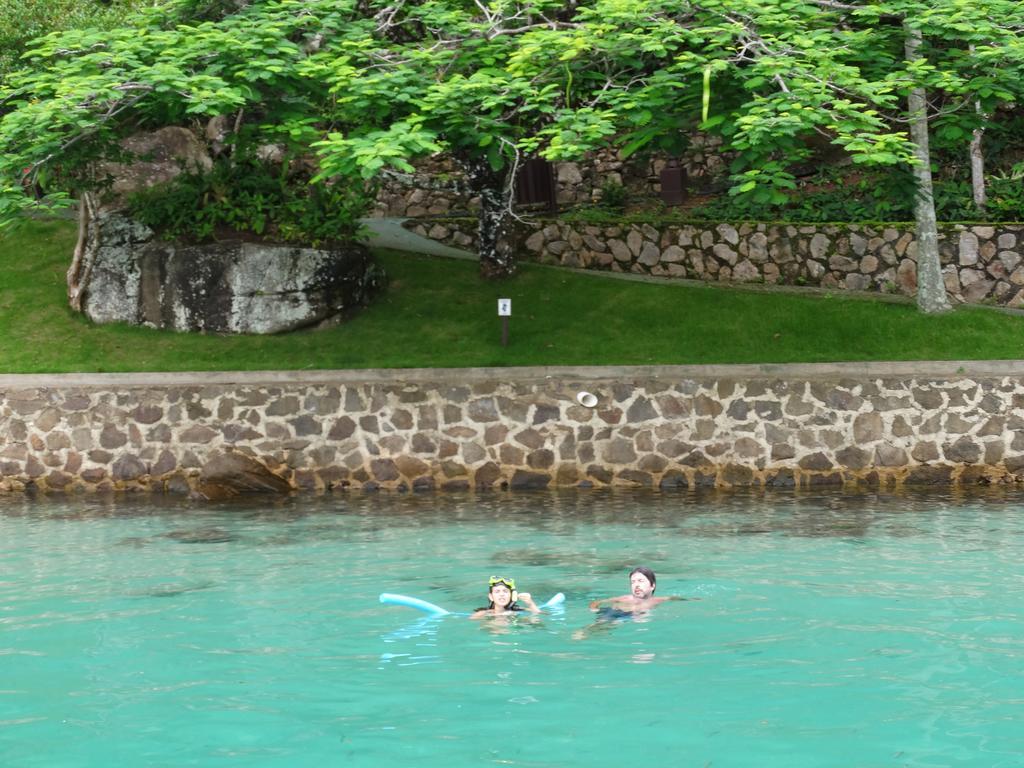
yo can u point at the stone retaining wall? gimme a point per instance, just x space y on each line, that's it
875 424
576 183
981 263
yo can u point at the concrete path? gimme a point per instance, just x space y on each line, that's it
389 233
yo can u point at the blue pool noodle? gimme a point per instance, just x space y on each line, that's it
412 602
435 610
558 599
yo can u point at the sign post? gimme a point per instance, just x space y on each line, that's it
504 312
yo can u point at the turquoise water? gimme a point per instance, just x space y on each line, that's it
831 631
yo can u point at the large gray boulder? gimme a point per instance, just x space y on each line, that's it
157 157
225 287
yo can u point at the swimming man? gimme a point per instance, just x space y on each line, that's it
642 583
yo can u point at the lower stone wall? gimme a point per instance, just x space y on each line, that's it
981 263
875 424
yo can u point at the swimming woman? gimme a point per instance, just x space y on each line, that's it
503 599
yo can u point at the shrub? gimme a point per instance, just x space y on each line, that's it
614 196
246 195
24 20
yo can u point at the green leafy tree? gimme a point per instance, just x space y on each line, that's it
371 84
869 77
21 21
961 61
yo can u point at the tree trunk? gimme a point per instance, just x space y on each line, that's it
978 167
977 158
978 170
497 259
931 290
80 271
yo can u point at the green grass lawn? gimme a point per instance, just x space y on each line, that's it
438 313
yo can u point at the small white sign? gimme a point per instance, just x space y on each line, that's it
504 307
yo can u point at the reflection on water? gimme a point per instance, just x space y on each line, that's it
847 512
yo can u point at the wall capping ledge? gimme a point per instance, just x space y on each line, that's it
824 371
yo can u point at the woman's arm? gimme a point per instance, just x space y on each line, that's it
527 599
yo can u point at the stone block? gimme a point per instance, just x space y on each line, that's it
746 272
994 452
781 478
900 427
843 263
649 255
542 458
147 414
641 410
890 456
819 246
767 410
993 426
737 475
724 253
635 478
868 427
782 452
673 479
197 433
857 282
748 448
525 481
815 461
47 420
384 470
957 425
673 254
853 457
706 406
544 413
963 451
482 410
306 426
929 475
968 248
619 451
473 453
925 452
402 419
930 399
111 437
342 429
823 480
411 467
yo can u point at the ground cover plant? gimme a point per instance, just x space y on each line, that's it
250 198
438 313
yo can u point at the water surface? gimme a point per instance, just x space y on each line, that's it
831 630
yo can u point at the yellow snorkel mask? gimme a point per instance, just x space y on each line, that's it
510 583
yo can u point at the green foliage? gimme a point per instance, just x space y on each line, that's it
833 197
614 196
372 84
24 20
245 195
828 197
